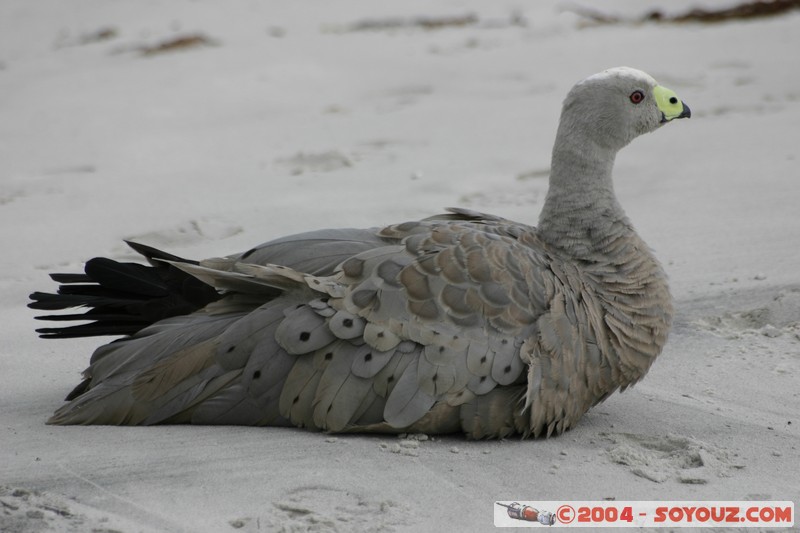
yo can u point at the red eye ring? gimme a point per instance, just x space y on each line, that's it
637 97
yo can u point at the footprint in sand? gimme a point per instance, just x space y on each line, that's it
188 233
25 511
528 189
321 508
400 97
779 315
303 162
661 458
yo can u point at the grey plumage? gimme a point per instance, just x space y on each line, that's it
460 322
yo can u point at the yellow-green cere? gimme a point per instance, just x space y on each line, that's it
668 102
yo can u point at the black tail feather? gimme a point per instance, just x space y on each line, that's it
122 297
131 278
90 296
70 278
95 329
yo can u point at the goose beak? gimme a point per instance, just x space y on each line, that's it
670 105
685 113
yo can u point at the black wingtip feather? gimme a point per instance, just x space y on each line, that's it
82 387
154 254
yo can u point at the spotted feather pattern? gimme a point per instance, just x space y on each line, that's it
445 310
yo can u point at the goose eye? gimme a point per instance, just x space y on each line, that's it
637 97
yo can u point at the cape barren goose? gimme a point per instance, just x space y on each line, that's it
462 322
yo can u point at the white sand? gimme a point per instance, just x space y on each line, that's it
287 124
